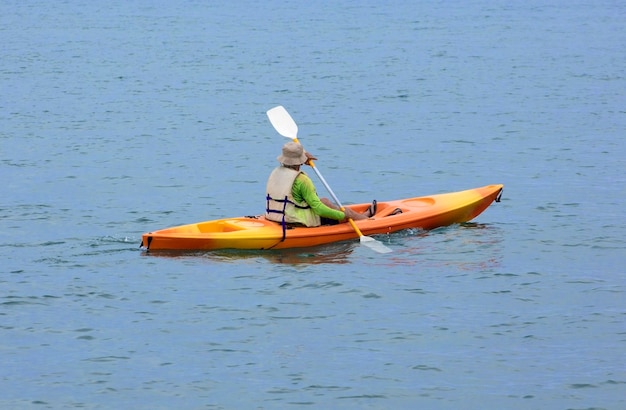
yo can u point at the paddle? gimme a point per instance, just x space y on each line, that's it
287 127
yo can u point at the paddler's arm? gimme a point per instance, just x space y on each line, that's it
304 190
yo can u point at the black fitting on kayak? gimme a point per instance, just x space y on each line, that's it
499 195
148 244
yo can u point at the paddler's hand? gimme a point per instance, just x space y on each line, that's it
350 214
309 158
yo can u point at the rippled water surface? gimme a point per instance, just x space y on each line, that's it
128 117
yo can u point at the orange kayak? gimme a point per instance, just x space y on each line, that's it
255 232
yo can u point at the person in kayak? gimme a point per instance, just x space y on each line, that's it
292 198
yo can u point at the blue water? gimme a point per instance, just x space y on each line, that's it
118 119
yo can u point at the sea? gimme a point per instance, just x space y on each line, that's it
123 117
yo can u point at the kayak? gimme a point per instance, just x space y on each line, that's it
256 232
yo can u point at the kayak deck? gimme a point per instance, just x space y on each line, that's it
255 232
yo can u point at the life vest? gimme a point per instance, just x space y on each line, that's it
281 206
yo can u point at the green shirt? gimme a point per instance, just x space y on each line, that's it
304 190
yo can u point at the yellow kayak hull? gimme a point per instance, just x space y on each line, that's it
256 232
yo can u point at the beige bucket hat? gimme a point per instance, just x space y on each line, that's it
293 154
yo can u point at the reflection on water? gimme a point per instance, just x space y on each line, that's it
474 225
468 246
465 246
338 253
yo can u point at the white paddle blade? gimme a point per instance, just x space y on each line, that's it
282 122
374 245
